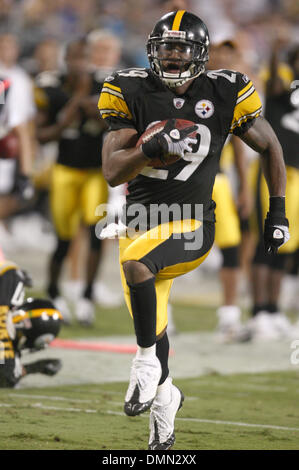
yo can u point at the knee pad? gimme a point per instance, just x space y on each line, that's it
230 257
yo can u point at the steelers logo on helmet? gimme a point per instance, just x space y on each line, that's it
37 323
177 48
204 109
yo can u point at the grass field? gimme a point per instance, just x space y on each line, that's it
232 412
238 411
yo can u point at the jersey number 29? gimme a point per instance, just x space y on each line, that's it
194 159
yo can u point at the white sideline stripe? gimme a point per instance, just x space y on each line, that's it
230 423
56 398
53 398
194 420
55 408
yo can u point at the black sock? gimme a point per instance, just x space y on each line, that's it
162 352
53 291
143 302
88 291
258 308
55 266
272 308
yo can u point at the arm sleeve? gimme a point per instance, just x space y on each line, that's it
248 106
113 106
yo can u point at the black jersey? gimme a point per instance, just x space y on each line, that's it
10 368
10 288
282 112
81 143
219 101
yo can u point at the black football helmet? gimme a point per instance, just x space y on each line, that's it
13 280
186 32
37 323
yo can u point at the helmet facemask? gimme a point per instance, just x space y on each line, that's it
176 68
37 323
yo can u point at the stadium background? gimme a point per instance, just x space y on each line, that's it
95 380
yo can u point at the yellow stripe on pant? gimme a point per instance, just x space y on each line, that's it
141 245
74 195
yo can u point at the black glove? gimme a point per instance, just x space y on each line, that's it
276 231
170 141
44 366
24 188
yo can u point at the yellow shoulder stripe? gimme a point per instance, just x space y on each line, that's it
112 92
177 20
113 87
245 95
245 89
113 105
248 106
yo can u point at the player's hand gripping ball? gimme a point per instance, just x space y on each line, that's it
167 141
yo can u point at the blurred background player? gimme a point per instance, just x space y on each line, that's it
233 205
282 111
17 142
29 325
69 115
103 55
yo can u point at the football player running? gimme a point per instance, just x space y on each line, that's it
218 102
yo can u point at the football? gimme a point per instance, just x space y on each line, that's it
158 127
9 146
